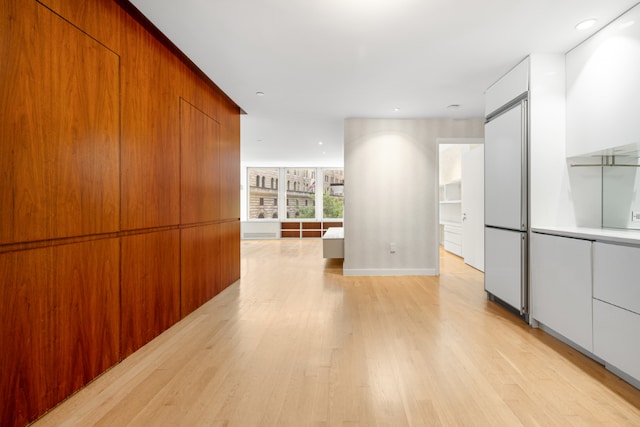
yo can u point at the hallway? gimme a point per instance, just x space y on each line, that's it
295 343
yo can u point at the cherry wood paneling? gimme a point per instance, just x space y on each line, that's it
150 131
326 225
311 225
200 250
230 162
59 322
100 153
311 233
98 18
290 225
200 194
150 287
60 132
229 254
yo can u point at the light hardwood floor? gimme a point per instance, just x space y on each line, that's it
295 343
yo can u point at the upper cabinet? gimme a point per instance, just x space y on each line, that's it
603 89
508 87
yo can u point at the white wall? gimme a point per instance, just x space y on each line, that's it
391 193
550 187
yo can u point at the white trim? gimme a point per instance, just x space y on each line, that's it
389 272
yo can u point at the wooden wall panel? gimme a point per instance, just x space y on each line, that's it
229 254
79 206
59 322
60 134
98 18
199 141
150 287
230 162
200 260
150 131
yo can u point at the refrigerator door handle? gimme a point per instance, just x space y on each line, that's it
524 273
524 169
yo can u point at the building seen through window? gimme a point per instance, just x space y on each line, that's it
263 193
300 195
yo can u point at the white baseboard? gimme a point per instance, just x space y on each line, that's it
389 271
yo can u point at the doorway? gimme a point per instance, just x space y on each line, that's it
461 198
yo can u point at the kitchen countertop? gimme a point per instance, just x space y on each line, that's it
610 235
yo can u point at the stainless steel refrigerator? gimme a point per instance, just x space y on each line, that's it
506 205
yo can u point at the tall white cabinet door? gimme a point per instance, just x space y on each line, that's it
504 155
503 265
473 207
561 296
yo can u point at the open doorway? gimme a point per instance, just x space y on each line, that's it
461 199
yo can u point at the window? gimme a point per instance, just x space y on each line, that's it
332 195
259 205
300 194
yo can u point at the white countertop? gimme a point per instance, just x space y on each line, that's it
334 233
611 235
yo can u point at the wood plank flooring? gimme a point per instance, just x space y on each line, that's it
294 343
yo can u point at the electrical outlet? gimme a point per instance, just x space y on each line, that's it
635 216
392 248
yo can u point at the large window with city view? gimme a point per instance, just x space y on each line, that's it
332 194
263 192
301 193
295 193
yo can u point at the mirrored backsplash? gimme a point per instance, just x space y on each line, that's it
620 192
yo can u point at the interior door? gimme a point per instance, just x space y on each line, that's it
473 207
504 159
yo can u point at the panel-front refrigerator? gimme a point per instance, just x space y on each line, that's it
506 205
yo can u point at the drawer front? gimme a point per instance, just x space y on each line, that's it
616 270
453 237
616 337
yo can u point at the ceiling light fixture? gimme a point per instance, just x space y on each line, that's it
453 107
584 25
319 142
626 24
260 93
396 109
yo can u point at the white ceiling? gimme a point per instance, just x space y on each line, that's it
321 61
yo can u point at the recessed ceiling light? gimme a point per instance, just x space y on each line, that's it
319 142
626 24
396 109
585 24
260 93
453 107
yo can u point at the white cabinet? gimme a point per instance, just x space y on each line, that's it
452 241
603 89
508 87
616 337
451 216
616 305
616 273
561 297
